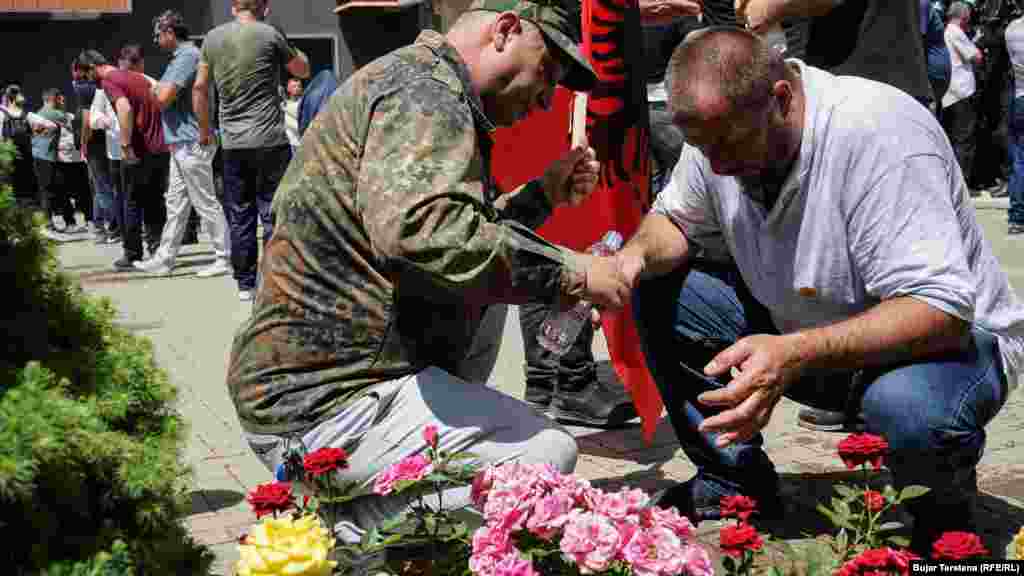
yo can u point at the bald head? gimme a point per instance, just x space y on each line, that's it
722 68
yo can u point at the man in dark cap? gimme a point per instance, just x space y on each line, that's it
392 243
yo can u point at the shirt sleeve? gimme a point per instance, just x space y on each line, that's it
422 200
963 45
114 92
905 240
687 201
181 70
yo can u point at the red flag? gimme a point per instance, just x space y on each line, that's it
618 129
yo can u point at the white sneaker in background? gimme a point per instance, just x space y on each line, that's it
153 266
218 268
245 295
56 236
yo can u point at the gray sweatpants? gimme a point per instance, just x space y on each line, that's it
385 427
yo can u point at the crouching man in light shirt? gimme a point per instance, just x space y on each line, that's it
817 235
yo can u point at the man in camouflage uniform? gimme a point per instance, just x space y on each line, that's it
391 243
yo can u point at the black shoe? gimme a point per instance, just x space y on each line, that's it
1000 191
829 421
698 502
125 265
597 404
1015 229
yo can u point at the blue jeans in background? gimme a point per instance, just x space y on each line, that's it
1015 145
103 191
250 179
932 413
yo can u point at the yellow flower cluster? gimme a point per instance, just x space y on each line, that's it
286 546
1018 545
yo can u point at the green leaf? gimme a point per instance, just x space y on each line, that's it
846 492
889 526
837 520
461 456
842 508
913 492
899 541
842 540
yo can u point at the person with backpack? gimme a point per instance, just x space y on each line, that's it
14 126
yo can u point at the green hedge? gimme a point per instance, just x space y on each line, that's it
91 474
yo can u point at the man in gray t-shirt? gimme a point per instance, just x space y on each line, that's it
244 60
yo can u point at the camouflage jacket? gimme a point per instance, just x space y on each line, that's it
389 243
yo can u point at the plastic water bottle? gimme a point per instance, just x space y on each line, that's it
561 328
775 36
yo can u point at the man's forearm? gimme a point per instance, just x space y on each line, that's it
201 108
897 330
126 118
660 244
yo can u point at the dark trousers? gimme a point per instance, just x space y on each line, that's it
250 179
959 121
117 198
1015 186
543 369
53 197
75 178
24 177
143 185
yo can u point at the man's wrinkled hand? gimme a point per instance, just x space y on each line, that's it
606 286
766 366
758 14
660 12
572 178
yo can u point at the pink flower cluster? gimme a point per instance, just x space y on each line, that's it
413 468
592 529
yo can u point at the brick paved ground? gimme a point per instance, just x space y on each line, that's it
191 323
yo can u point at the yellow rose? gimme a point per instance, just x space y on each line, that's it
1018 544
286 546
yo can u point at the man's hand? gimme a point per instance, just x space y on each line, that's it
572 178
128 154
660 12
205 137
606 286
767 365
758 15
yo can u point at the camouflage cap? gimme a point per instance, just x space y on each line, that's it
559 24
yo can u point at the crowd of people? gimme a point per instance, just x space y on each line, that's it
138 156
784 256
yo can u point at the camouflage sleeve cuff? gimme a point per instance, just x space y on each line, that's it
573 283
527 205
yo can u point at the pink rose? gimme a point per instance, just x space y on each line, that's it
430 435
514 565
591 541
549 514
482 483
508 504
490 545
413 468
696 561
654 552
619 505
669 518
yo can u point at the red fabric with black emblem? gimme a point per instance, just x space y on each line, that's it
618 130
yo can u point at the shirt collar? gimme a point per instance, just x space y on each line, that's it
439 45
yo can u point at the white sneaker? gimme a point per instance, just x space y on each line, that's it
56 236
218 268
245 295
153 266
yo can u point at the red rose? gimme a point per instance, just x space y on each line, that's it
738 507
325 460
879 561
957 546
736 539
430 435
857 449
874 501
271 498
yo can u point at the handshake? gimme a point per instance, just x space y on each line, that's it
610 280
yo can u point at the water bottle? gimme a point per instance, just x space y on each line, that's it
775 36
561 328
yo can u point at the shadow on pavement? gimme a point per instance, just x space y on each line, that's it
213 500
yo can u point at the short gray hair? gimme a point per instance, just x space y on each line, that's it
958 10
735 64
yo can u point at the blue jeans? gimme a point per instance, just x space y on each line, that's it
103 189
250 179
1015 187
932 413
